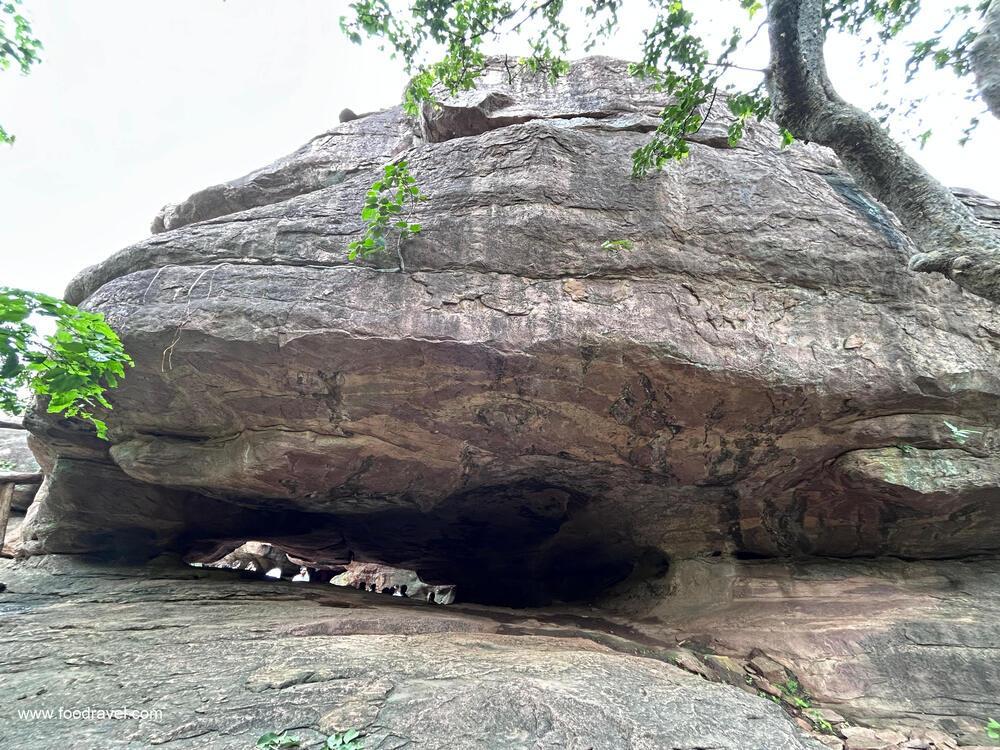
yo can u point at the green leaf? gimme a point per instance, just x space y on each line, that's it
993 729
386 202
615 245
71 368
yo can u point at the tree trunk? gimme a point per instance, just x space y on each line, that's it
949 238
986 59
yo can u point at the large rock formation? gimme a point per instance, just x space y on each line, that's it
507 406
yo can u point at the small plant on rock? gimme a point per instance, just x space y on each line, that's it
821 724
275 741
993 729
349 740
614 246
793 693
385 203
960 435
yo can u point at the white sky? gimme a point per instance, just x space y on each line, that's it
138 103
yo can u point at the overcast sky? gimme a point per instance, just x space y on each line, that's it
141 102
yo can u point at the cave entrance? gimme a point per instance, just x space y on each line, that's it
527 544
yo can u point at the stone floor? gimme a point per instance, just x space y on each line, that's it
202 659
882 653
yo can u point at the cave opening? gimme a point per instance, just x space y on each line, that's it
520 545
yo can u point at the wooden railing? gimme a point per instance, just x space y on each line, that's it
9 480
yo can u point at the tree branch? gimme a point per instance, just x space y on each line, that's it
950 238
6 425
986 58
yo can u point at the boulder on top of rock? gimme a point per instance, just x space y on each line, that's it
326 160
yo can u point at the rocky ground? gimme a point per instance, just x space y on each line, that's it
815 657
223 660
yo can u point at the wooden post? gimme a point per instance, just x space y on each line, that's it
6 496
8 479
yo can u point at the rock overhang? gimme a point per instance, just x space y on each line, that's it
700 393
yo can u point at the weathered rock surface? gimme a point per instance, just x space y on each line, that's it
506 406
900 646
905 653
700 393
257 557
316 660
326 160
12 536
388 580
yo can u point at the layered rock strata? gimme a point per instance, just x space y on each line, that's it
508 406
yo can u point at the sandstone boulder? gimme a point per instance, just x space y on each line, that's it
700 393
686 430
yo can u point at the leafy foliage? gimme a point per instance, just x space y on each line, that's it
72 368
18 46
459 26
275 741
675 57
348 740
792 693
884 20
383 212
821 724
616 245
993 729
879 22
960 436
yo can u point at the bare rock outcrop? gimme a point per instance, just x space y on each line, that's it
388 580
696 394
269 659
509 407
257 557
326 160
858 652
